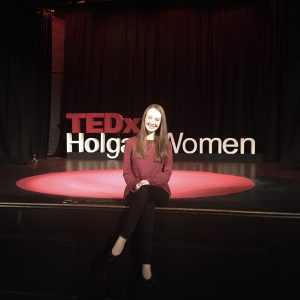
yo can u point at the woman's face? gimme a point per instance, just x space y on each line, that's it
152 120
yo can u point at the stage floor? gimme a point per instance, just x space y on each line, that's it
240 242
275 191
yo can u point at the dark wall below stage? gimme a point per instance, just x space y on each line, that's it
55 252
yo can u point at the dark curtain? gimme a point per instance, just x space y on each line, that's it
219 67
25 80
290 123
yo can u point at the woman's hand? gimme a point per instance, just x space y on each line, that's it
141 183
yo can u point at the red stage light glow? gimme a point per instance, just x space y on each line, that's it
109 184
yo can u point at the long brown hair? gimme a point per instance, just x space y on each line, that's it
161 137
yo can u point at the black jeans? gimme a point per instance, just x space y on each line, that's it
141 215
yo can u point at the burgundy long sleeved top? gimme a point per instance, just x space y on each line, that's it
136 169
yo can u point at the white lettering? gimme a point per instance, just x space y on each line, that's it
80 142
227 143
171 137
87 145
210 142
184 145
114 146
102 139
115 150
243 141
123 146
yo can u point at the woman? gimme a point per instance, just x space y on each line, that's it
147 168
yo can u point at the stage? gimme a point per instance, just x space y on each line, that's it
76 77
241 245
276 191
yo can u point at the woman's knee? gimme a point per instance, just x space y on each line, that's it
149 206
143 192
139 198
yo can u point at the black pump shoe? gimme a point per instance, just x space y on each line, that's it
111 258
148 282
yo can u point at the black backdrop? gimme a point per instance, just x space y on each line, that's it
25 81
220 68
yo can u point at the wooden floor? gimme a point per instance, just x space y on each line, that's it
243 246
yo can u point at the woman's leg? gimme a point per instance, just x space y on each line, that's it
137 202
118 246
145 231
158 197
141 209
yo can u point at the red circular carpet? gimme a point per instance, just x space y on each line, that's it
110 184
